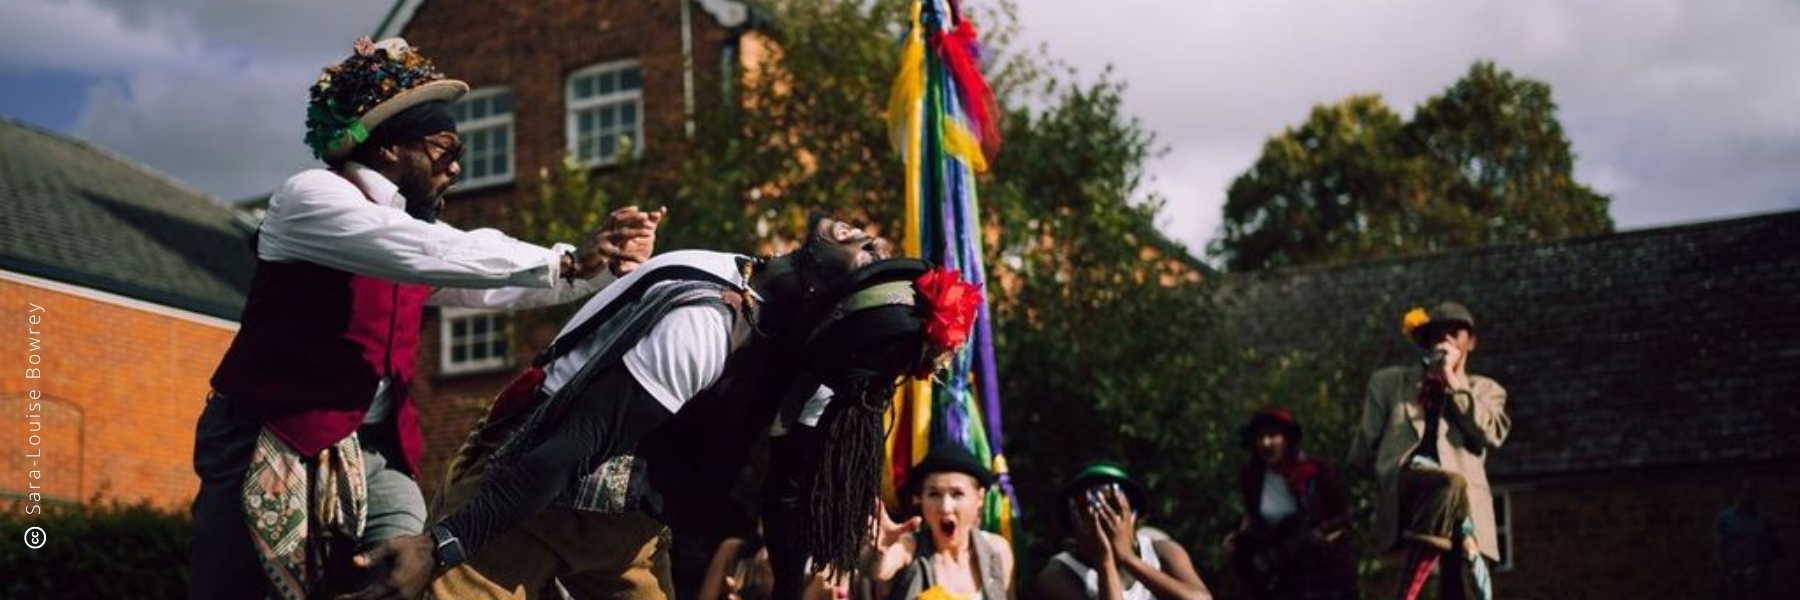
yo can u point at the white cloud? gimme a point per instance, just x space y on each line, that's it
1682 109
233 132
84 37
212 92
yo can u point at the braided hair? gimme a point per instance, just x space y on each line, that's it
859 348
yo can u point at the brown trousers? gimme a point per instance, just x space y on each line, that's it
593 556
1434 504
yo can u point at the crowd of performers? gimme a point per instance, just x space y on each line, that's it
639 417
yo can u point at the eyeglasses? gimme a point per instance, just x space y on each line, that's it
447 153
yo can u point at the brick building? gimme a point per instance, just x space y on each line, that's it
551 79
1648 374
137 281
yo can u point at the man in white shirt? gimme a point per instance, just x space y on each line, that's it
312 403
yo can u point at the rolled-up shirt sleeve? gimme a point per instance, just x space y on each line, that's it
322 218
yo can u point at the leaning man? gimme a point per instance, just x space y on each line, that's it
308 447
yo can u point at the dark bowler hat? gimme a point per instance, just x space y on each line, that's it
948 458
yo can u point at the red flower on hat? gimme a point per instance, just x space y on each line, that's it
951 305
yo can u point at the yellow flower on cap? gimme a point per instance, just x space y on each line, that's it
1413 320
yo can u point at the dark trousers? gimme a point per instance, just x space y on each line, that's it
222 562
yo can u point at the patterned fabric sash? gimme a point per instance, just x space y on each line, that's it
304 512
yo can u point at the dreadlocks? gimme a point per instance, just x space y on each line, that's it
846 477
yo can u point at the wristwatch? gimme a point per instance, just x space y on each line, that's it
446 549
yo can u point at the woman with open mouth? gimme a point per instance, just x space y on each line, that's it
946 556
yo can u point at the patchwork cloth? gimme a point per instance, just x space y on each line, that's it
304 512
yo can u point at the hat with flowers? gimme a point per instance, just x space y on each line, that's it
379 80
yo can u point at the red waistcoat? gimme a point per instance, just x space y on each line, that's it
314 343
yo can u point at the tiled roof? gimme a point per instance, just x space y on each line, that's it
82 215
1662 347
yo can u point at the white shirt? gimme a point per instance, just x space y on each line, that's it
682 354
322 218
1277 502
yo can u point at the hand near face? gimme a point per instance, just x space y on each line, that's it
885 532
1455 358
403 566
1119 524
1092 543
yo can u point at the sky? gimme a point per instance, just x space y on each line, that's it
1680 110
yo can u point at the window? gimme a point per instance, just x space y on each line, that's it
485 120
475 341
1503 529
605 107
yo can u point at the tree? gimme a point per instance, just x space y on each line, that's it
1108 339
1495 138
1486 162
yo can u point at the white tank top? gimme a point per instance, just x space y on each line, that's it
1091 579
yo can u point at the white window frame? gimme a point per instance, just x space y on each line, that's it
490 122
447 341
574 107
1503 526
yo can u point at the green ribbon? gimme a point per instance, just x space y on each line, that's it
357 132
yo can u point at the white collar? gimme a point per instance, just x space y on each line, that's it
376 185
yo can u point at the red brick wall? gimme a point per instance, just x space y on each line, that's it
1638 535
532 47
121 388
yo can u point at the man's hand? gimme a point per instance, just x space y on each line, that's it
403 566
624 240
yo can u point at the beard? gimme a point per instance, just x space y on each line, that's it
422 202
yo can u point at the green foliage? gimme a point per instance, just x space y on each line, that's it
1109 341
97 550
1486 162
1512 168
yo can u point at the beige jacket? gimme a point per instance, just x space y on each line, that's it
1390 428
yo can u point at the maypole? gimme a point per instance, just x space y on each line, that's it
942 121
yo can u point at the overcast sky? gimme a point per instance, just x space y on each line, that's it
1681 110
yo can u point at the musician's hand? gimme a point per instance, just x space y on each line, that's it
1454 361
